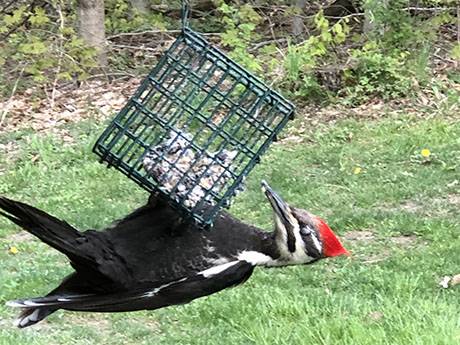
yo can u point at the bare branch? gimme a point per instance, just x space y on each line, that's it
264 43
141 33
113 74
123 46
5 110
13 29
156 32
428 9
61 54
5 7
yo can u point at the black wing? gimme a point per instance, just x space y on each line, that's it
172 293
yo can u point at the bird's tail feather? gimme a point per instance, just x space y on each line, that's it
124 301
31 316
54 232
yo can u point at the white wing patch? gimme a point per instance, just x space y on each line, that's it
255 258
217 269
153 292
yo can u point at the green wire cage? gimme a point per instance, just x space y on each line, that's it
195 127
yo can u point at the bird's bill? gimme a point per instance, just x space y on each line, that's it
281 209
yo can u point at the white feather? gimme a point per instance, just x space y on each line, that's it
255 258
217 269
15 304
153 292
23 321
32 304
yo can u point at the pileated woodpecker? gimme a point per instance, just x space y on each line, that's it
147 261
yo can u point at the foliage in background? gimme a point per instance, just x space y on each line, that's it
393 59
121 17
302 60
374 49
40 44
240 24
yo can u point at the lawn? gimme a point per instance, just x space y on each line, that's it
397 211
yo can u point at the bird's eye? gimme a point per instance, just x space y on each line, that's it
311 241
306 231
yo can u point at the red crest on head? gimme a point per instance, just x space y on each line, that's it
331 244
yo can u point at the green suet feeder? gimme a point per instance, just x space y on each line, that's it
198 100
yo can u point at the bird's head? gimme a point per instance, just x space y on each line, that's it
300 236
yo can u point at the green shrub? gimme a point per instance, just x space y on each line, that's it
395 53
240 24
120 16
41 46
302 60
337 61
377 74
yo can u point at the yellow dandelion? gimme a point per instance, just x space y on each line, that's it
425 153
357 170
13 250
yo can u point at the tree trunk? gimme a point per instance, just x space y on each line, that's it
297 21
371 23
90 20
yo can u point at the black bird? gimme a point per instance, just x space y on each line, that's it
149 260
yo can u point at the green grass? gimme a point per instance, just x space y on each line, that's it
387 293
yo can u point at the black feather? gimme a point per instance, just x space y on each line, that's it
143 251
172 293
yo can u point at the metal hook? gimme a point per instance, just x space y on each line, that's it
185 13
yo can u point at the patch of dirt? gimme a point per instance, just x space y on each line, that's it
19 237
404 241
411 207
386 245
97 322
378 257
150 323
363 237
93 99
375 315
310 116
371 110
391 208
453 199
428 207
9 149
359 235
